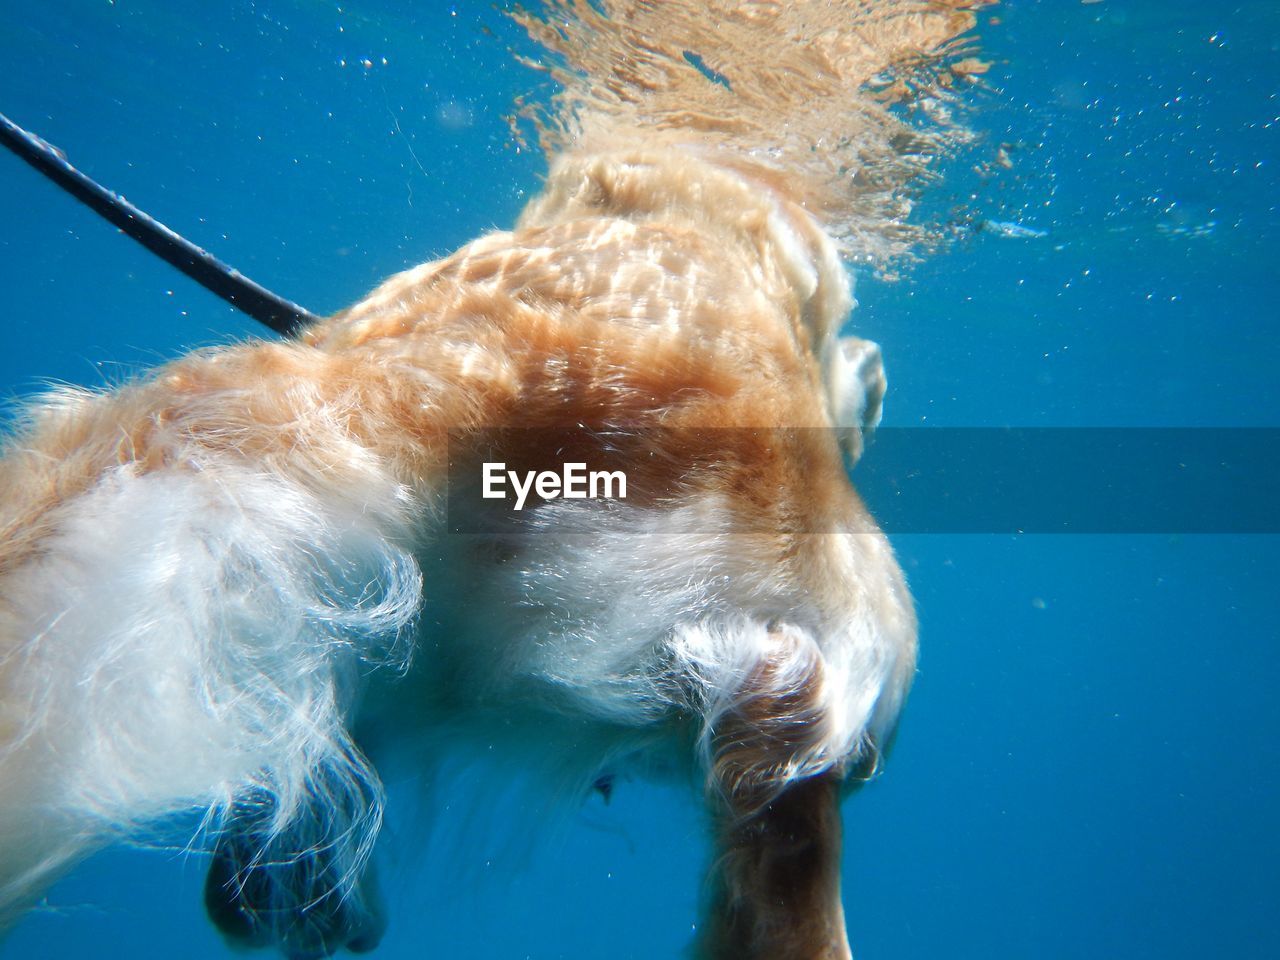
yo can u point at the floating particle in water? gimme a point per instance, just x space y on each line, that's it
1011 230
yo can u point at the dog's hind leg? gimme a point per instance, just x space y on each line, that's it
775 884
306 888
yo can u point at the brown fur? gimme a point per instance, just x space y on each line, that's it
776 882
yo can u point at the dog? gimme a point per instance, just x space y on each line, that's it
232 584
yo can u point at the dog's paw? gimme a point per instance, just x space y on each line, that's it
291 890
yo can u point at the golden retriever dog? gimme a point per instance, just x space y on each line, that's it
231 585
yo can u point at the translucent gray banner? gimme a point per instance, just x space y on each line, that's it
913 480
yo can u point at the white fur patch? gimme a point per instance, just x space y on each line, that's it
636 615
184 635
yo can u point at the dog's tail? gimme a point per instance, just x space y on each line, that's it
843 105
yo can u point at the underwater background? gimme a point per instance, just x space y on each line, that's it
1090 761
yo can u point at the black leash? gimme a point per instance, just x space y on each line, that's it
281 315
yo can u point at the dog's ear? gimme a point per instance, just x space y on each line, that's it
857 384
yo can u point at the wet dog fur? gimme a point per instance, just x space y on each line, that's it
211 576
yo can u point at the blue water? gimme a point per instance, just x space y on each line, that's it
1090 761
